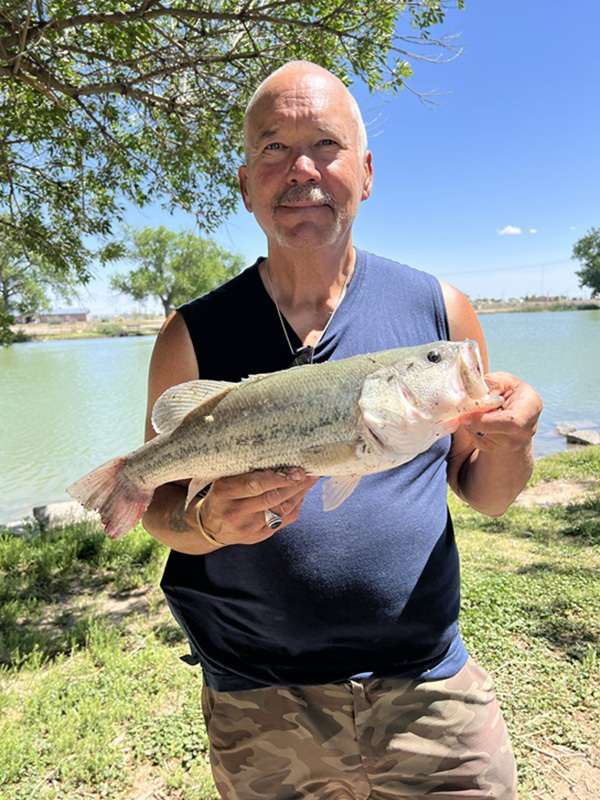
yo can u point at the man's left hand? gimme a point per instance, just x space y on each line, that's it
512 426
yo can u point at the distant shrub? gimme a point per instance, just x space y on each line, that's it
20 336
111 329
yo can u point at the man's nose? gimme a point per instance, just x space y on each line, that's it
304 170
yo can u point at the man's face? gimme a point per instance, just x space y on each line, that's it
305 176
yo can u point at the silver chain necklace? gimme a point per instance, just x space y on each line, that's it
304 354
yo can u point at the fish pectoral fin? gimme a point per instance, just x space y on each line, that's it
196 485
177 402
337 489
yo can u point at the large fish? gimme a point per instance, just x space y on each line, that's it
342 419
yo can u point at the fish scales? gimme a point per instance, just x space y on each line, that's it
299 416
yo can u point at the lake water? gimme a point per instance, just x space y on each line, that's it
67 406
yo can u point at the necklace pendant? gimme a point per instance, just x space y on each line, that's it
304 355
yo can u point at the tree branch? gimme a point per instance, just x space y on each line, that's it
116 18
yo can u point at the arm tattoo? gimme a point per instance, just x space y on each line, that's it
177 520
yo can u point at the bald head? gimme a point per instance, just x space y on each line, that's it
312 75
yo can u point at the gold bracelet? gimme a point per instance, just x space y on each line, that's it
204 533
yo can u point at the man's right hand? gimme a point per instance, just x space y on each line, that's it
233 511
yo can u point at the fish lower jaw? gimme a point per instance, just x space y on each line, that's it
466 409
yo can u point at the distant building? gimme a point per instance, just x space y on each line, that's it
65 315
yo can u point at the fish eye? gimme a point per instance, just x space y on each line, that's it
434 356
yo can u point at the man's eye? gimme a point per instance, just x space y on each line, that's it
273 146
327 142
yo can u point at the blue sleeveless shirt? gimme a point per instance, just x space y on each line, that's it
369 589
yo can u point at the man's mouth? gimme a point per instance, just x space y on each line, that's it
304 197
302 204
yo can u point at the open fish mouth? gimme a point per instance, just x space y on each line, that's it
470 371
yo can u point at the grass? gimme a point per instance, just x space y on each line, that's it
95 702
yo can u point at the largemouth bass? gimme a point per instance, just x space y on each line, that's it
341 419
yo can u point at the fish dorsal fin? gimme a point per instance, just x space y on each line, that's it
337 489
262 375
177 402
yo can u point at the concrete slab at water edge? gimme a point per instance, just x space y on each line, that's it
583 437
579 431
57 515
53 515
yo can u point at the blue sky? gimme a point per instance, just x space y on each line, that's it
512 144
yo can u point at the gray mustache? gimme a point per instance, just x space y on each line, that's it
313 194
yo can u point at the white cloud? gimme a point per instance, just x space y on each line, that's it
510 230
532 230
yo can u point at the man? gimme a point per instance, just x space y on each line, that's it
329 643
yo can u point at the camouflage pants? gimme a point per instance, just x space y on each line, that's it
377 739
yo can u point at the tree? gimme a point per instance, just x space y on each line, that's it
587 250
135 101
25 284
174 267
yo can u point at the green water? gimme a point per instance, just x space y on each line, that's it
558 353
67 406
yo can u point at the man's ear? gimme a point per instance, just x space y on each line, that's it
243 181
368 182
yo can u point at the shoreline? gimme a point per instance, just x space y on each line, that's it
105 328
535 306
115 327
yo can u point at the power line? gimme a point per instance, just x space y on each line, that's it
485 273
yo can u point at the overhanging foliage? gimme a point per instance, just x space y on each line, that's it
136 101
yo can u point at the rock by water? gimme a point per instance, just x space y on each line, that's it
583 437
579 431
52 515
57 515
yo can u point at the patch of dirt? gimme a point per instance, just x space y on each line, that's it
141 608
147 784
571 773
95 600
115 608
559 492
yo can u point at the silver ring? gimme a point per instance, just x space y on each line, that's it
272 520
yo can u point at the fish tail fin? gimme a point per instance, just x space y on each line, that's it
119 501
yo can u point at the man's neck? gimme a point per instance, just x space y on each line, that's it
307 286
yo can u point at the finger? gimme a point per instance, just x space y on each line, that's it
506 435
501 382
239 516
289 512
491 422
521 410
288 509
507 420
284 497
252 484
488 442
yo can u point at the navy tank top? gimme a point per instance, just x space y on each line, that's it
369 589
